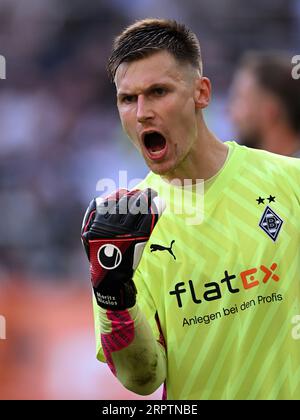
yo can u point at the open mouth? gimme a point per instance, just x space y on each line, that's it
155 144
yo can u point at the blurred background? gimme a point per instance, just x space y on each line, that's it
60 135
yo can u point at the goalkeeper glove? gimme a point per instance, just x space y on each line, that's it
114 233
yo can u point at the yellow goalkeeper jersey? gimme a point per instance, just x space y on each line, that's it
222 274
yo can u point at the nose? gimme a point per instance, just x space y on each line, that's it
144 111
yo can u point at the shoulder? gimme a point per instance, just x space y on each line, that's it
261 170
263 156
267 161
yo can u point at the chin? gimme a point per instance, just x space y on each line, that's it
162 169
157 169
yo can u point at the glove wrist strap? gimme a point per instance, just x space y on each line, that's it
118 297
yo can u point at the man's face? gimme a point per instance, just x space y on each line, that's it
246 108
156 103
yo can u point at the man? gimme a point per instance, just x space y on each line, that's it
265 103
217 307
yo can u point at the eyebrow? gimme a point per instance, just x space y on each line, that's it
147 90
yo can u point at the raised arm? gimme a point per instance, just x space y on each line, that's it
132 352
114 233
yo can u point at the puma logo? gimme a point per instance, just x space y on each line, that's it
155 247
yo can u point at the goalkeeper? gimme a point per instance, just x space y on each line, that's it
210 309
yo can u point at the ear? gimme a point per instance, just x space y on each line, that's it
202 92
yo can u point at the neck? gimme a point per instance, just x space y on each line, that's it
281 139
204 160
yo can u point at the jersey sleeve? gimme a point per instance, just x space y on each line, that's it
147 304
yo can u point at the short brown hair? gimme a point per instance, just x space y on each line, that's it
272 71
148 36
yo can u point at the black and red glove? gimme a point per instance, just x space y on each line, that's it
114 233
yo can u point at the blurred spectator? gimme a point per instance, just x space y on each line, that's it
265 103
